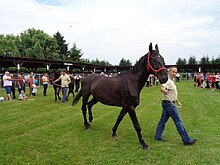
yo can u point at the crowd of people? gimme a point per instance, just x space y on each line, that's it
208 80
22 83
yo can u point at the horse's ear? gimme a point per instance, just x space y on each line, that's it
150 47
157 48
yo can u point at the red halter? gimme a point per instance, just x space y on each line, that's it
149 66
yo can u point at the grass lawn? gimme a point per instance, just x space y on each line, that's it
42 131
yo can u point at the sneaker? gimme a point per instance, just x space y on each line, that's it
190 142
162 140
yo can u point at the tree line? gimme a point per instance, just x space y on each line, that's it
193 61
35 43
205 60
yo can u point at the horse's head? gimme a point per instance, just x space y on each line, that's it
156 65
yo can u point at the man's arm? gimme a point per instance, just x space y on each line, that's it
57 80
164 90
69 80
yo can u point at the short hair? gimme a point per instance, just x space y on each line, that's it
173 67
63 70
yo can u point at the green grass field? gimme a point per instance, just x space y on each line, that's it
42 131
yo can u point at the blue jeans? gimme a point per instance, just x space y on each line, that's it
45 89
64 91
170 110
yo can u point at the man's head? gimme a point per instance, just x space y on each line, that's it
172 72
63 72
7 73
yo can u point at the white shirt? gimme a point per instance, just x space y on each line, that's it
7 82
172 91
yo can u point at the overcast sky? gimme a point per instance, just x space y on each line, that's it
114 29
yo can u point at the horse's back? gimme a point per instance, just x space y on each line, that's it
108 90
86 83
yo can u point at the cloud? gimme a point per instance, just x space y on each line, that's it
111 30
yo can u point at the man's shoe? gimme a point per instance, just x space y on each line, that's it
190 142
162 140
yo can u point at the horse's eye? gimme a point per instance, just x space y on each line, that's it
154 60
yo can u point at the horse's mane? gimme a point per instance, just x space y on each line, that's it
139 64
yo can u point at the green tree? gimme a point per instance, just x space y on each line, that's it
8 46
102 62
217 60
192 60
62 46
85 60
204 60
181 61
125 62
37 44
74 53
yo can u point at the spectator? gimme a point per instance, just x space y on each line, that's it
45 80
7 83
13 86
31 82
21 83
198 79
77 82
34 90
177 77
202 80
194 79
217 81
22 96
213 79
208 79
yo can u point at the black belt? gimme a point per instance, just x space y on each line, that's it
168 101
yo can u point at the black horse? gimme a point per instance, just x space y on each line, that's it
122 90
56 86
71 87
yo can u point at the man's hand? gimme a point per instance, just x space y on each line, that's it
179 103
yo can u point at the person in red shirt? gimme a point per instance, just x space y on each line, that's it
213 81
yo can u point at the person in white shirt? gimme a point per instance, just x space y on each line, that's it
45 80
22 96
7 83
65 80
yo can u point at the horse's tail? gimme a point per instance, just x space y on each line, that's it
76 99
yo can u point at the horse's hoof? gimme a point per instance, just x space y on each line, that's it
145 146
114 135
87 126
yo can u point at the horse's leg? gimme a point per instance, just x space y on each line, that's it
90 104
73 92
68 94
84 109
137 127
58 92
119 119
55 93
